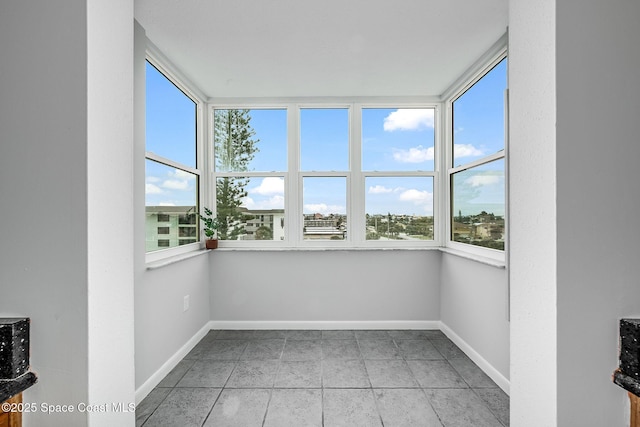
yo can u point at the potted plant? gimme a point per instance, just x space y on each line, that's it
211 225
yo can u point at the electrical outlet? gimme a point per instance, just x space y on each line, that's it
185 305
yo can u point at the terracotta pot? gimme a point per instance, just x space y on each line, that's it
211 243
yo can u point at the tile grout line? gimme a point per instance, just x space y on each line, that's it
224 386
323 387
273 384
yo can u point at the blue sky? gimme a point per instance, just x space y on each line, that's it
478 130
392 140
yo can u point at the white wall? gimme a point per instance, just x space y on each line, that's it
532 212
55 120
474 306
325 286
43 187
110 184
573 64
598 199
162 327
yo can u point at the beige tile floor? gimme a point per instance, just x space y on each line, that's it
325 378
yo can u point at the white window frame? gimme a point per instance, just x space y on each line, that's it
209 193
475 251
434 174
156 59
355 177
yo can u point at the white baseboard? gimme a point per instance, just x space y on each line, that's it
154 380
325 325
482 363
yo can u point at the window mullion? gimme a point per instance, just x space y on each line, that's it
357 209
293 195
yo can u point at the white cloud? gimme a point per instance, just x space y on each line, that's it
409 119
152 189
324 209
466 150
182 175
175 184
417 154
379 189
166 204
482 180
178 180
417 197
269 185
275 202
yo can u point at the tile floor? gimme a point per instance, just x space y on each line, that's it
325 378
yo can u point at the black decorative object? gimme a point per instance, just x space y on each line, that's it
14 347
627 375
15 376
630 347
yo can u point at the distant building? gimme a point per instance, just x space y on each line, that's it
272 219
170 226
320 227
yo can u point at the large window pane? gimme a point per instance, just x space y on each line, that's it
324 208
171 200
324 139
170 119
478 205
478 117
250 140
399 208
250 208
397 139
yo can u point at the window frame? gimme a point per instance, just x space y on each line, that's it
478 251
355 177
293 176
434 174
163 66
212 174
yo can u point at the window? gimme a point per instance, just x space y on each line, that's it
324 171
187 232
250 163
477 171
345 176
324 139
171 167
398 159
324 208
398 139
188 219
399 208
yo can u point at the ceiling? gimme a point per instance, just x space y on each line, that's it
301 48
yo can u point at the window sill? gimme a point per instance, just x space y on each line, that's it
462 254
325 249
474 257
176 258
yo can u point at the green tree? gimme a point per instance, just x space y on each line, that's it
235 147
264 233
